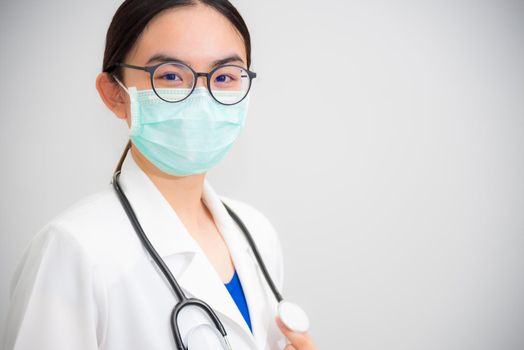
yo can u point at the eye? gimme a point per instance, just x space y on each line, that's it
223 78
170 77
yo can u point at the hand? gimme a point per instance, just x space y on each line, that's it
299 341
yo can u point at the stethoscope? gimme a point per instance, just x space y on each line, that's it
291 314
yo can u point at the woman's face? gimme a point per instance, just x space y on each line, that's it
196 35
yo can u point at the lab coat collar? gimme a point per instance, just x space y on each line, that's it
173 242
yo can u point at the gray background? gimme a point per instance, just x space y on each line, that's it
384 142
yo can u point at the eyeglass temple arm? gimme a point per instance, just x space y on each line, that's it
125 65
131 66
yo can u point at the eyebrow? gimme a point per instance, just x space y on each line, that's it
160 57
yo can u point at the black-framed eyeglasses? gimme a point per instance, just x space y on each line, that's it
174 81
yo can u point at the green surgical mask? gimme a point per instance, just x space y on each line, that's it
186 137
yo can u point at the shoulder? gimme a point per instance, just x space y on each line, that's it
96 211
79 233
96 222
79 224
264 234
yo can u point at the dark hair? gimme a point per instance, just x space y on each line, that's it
133 16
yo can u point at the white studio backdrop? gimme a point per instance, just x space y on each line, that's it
385 142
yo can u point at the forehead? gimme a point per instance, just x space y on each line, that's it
196 34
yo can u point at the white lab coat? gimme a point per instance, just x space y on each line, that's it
85 281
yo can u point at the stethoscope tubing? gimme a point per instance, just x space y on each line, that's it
258 257
183 301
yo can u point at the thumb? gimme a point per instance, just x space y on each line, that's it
298 340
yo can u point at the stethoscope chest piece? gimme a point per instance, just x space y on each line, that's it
293 316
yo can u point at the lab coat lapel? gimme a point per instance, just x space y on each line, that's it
182 254
157 218
252 281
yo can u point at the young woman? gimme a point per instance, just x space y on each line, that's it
178 73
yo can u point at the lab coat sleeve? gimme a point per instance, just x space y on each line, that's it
56 298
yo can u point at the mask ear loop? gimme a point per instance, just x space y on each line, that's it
121 84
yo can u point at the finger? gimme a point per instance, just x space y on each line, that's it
299 340
290 347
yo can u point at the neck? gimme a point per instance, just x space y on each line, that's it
183 193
